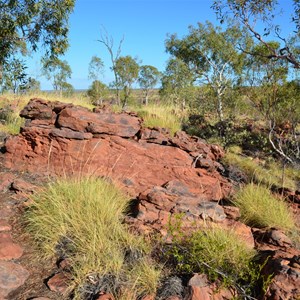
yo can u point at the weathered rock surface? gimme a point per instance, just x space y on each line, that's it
156 206
201 289
12 276
58 283
61 138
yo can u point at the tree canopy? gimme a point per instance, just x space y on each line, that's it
247 13
27 24
211 55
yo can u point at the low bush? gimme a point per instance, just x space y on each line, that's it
82 220
259 208
221 255
232 131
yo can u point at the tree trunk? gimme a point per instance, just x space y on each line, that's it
146 98
220 107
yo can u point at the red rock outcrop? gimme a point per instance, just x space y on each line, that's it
165 175
61 138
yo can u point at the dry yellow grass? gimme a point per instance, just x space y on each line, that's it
82 219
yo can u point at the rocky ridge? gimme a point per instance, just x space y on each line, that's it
164 175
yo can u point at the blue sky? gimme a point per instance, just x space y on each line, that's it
144 25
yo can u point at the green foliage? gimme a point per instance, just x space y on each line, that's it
269 174
259 208
211 56
97 92
148 78
219 253
25 24
82 219
96 67
10 121
32 86
58 71
247 14
14 76
127 70
177 80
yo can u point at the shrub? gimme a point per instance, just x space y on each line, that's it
221 255
82 219
260 208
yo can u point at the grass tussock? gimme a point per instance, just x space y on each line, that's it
220 254
162 116
219 249
259 208
82 219
270 174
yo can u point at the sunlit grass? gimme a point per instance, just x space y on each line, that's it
270 174
76 98
82 219
259 208
162 116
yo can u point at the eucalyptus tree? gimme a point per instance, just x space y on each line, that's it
212 56
148 78
176 80
27 25
249 13
127 70
276 99
14 75
96 68
57 71
97 92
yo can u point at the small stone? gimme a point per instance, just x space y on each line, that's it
5 212
278 238
232 212
148 297
198 293
5 237
12 276
58 283
10 250
212 211
6 180
20 185
199 280
106 297
4 226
